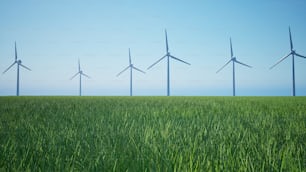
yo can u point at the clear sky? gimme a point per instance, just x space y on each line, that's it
52 35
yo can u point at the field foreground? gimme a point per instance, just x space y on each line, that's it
153 133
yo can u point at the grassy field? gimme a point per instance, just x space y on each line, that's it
153 133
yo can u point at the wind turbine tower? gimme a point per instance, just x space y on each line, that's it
131 67
234 60
19 63
80 73
168 56
292 52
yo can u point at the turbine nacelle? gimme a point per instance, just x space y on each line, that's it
19 62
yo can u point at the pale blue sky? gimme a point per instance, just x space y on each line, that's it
52 35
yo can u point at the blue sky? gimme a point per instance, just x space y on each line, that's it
52 35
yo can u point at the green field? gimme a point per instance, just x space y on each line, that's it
153 133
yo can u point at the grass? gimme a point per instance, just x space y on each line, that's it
153 133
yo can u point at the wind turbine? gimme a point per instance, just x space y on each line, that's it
80 72
168 55
18 62
131 66
291 53
234 60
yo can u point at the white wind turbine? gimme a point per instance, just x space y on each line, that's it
169 56
131 67
80 73
292 52
19 63
234 60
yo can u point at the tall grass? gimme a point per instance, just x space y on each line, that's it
153 133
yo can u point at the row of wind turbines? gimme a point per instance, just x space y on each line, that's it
168 56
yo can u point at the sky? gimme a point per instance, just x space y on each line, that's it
52 35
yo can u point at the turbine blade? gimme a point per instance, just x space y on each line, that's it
291 45
167 48
138 69
243 64
232 54
179 60
123 70
224 65
79 66
25 67
299 55
156 62
74 75
9 67
283 58
15 51
130 61
85 75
